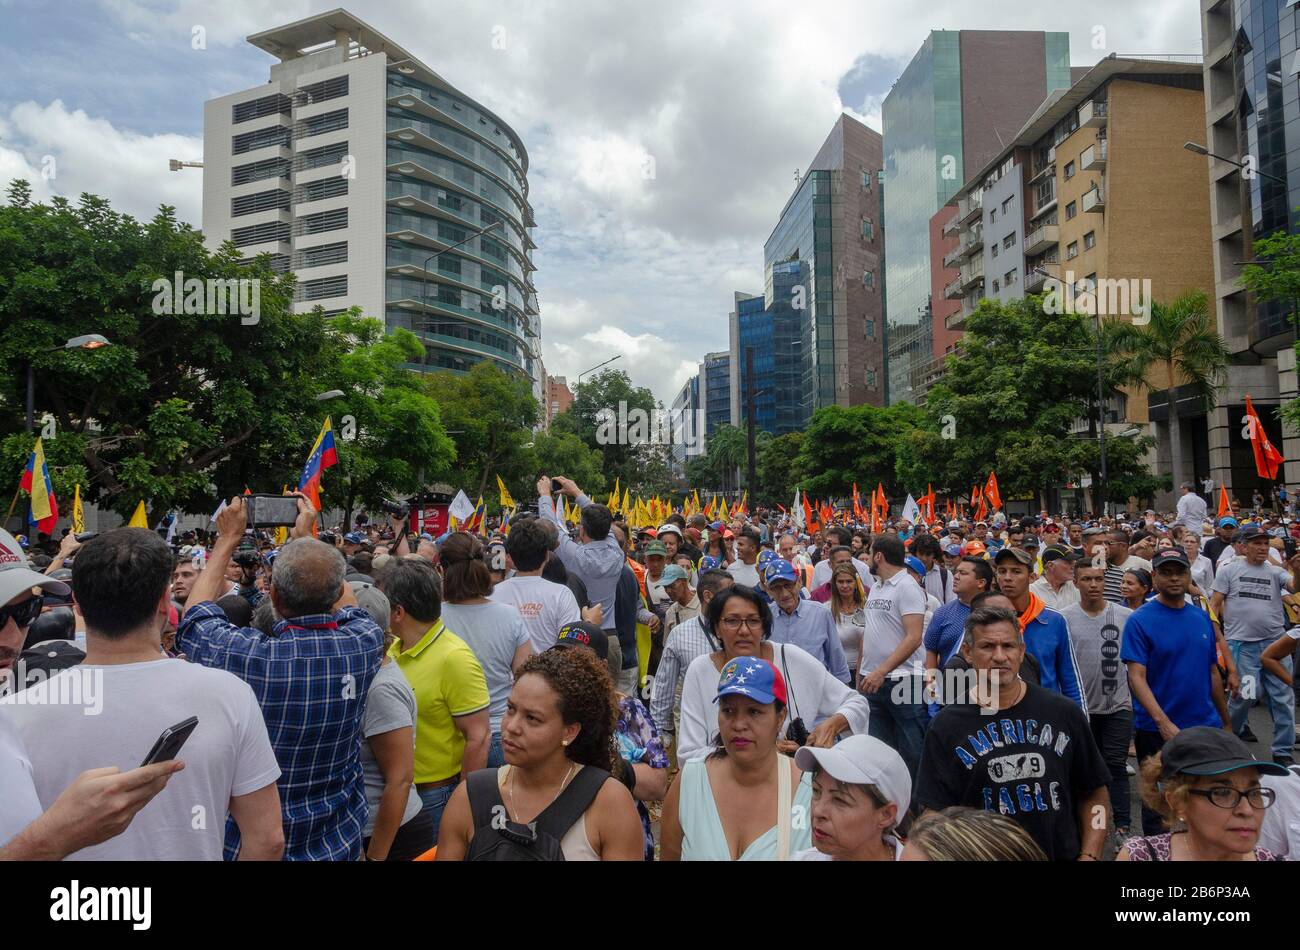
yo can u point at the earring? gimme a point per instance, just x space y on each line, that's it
564 742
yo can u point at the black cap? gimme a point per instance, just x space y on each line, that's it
1205 750
1252 531
1031 541
1057 552
580 633
1170 556
1021 555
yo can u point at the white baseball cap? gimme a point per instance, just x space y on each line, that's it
16 575
863 760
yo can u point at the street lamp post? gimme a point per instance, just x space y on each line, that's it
1202 150
88 341
1101 401
424 270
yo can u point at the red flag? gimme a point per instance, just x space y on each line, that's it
1267 458
809 520
857 503
927 503
1225 506
991 492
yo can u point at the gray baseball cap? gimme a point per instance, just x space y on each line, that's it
16 574
373 601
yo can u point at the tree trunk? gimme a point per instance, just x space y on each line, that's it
1175 432
351 498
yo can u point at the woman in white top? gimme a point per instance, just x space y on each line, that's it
846 604
559 721
860 788
817 700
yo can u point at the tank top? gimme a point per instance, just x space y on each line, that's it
574 844
702 836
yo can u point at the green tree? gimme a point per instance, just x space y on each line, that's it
563 453
398 443
616 419
858 444
1181 344
182 406
490 415
778 467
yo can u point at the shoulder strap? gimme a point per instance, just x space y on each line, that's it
576 798
783 798
943 582
484 796
789 685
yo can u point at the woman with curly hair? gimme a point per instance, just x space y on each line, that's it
554 799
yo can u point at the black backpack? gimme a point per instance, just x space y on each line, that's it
497 838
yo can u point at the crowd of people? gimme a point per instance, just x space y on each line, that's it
759 689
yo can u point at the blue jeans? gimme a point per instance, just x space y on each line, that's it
899 723
435 800
1280 698
496 757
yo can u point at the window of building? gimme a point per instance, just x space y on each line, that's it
869 329
322 221
325 122
322 255
868 231
993 215
871 379
277 135
1071 210
258 171
1072 250
1009 277
1090 240
1006 205
1069 170
259 201
322 91
318 157
996 287
1009 241
866 180
260 233
869 280
330 187
993 250
257 108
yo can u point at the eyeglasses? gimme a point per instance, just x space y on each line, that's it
23 614
735 623
1227 797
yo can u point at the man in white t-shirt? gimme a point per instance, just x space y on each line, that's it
1191 509
544 605
112 708
744 570
893 658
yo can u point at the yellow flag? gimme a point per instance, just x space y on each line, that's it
626 507
140 519
613 501
722 512
78 516
506 500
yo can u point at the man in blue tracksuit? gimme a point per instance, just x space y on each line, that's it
1046 635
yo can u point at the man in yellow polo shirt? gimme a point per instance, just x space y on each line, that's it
452 732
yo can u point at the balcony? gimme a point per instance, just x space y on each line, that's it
970 206
952 257
1092 114
1094 201
1047 168
1035 280
974 241
953 290
1041 239
972 273
951 227
1093 158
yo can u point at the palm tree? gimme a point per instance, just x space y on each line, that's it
1181 339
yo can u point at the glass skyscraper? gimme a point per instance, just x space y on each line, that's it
963 94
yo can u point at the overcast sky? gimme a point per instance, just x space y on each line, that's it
722 100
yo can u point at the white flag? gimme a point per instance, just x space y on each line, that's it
171 528
461 507
796 511
220 508
911 510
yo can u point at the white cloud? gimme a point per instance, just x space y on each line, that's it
726 100
67 152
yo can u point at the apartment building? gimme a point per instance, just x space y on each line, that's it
381 186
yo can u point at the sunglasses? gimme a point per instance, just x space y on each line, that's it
22 614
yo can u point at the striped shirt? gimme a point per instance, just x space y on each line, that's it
689 639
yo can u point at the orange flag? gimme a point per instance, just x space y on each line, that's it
991 492
1267 457
1225 506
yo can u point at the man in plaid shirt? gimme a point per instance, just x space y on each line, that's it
310 677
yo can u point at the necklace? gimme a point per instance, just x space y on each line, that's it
510 793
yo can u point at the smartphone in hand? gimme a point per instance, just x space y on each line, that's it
170 742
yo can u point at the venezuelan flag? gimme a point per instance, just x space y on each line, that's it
323 455
44 506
